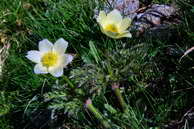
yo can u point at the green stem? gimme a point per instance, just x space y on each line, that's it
68 81
96 113
76 90
115 88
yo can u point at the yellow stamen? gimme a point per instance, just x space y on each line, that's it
111 28
49 59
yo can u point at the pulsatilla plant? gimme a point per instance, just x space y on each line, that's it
119 65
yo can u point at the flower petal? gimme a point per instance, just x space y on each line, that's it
112 35
67 59
34 56
45 45
117 35
56 71
114 17
60 45
127 34
39 69
124 24
109 34
101 18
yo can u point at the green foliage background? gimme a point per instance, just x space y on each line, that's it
156 85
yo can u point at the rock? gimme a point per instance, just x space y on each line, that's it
126 7
155 18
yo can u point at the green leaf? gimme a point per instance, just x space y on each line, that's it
192 10
94 52
110 109
4 104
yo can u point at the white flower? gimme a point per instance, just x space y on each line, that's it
113 25
50 58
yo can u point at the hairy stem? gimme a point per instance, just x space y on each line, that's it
96 113
115 88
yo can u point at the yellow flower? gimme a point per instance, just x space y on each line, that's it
50 58
113 25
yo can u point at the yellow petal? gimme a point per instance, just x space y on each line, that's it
114 17
101 18
110 34
127 34
124 24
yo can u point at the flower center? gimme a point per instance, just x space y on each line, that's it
111 28
49 59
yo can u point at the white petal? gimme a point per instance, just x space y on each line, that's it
56 71
39 69
67 59
45 45
34 56
114 17
60 45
